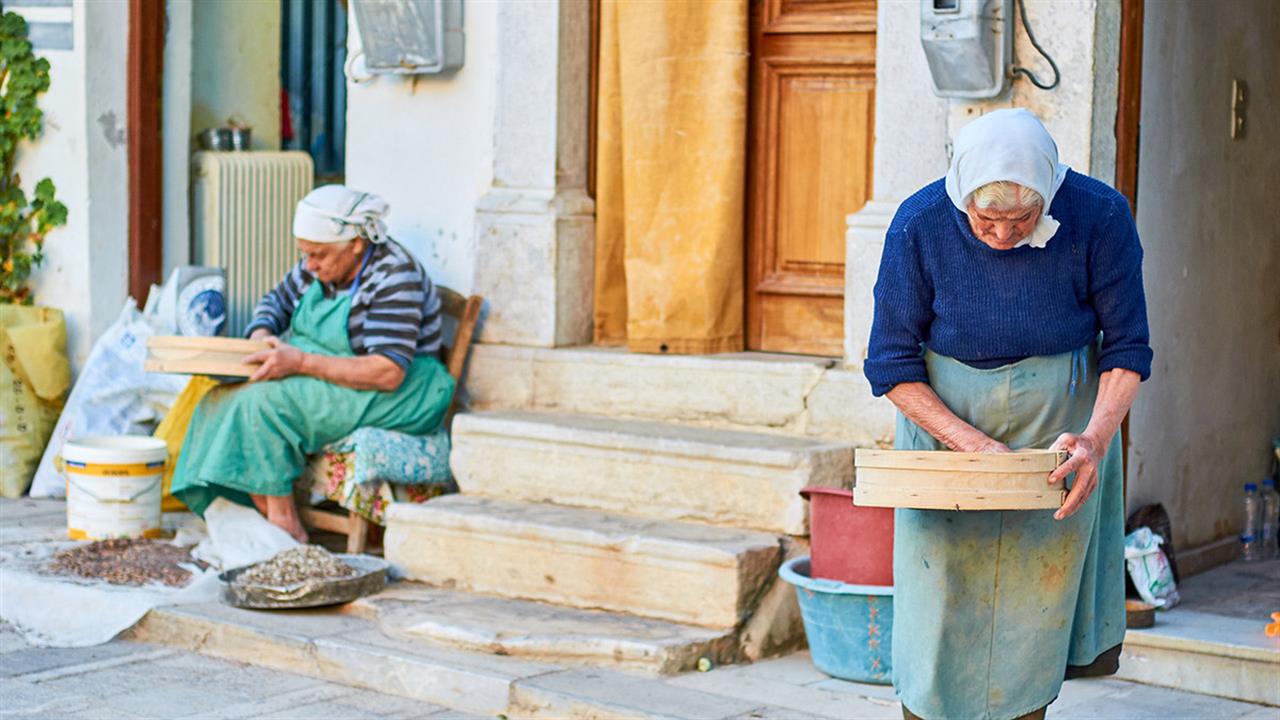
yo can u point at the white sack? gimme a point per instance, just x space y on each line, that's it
112 396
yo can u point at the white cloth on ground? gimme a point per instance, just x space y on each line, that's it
1010 145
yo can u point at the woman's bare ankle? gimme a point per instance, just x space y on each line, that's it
283 513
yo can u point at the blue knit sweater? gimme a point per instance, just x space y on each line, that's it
941 287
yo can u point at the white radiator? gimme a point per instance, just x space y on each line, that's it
242 214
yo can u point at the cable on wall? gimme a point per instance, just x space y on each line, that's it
1057 76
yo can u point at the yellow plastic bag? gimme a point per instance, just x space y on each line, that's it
34 378
173 429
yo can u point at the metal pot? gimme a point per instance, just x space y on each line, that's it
240 137
226 138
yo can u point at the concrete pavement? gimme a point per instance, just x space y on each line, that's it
135 680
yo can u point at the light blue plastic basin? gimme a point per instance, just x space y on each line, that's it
849 627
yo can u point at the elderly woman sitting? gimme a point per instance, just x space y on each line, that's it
354 331
1009 313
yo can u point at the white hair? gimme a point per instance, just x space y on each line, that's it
1005 195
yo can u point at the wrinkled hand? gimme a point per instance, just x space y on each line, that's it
1086 453
282 360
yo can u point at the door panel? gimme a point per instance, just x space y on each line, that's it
812 105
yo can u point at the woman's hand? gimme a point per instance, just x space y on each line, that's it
280 361
982 444
1086 452
923 407
261 334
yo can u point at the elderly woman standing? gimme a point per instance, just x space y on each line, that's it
1009 313
364 332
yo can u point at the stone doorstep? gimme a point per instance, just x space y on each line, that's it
1202 653
772 393
542 632
682 572
348 649
645 468
341 648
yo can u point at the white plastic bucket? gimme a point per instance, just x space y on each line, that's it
113 486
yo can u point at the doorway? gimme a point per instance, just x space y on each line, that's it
810 139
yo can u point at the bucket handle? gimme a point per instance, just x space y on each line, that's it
151 486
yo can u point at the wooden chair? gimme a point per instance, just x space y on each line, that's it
460 312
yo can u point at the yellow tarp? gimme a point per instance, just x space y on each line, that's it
671 175
173 429
34 378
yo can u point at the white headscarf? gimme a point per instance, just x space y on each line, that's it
1009 145
336 213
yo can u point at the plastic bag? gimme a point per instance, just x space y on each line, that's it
1149 568
191 302
114 395
34 377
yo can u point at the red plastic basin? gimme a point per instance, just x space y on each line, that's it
849 543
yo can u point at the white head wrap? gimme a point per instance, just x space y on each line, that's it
336 213
1010 145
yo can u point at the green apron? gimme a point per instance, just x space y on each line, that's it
254 438
989 608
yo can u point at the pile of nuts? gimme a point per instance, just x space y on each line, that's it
306 562
126 562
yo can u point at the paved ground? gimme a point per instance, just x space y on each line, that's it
133 680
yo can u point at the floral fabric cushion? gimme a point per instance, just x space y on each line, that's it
396 458
327 478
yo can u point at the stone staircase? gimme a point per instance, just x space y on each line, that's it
634 517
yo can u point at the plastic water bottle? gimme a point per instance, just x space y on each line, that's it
1251 544
1270 518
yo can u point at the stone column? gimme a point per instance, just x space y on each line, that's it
910 150
535 228
914 128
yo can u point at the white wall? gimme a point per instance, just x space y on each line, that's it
426 144
83 151
236 67
1210 223
1083 38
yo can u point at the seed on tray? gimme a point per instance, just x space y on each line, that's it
307 562
126 562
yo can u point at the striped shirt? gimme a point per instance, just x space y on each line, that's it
395 311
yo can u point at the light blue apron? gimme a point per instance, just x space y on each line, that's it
254 438
990 607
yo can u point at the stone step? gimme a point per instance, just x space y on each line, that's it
683 572
787 394
644 468
1203 653
344 648
343 645
543 632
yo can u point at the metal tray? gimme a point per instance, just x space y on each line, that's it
370 577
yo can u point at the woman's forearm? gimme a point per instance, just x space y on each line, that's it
923 407
365 372
1117 389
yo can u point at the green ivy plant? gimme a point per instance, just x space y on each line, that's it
23 222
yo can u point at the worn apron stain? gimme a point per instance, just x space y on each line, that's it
991 606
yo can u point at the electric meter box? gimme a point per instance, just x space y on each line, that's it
969 45
409 37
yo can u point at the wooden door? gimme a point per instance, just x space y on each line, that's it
810 139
